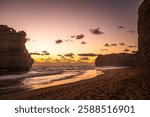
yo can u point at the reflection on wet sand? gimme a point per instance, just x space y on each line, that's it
48 83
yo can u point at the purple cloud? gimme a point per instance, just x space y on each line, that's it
83 42
113 44
107 45
80 36
96 31
35 53
121 27
87 54
131 31
132 46
58 41
71 55
122 44
126 50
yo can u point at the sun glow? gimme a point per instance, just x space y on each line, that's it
80 28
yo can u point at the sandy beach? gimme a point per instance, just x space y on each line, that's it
124 84
69 39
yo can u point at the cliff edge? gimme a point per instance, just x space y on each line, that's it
122 59
144 33
13 53
143 43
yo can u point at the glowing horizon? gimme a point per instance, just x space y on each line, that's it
50 20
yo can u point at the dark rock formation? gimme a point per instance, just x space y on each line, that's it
144 33
143 44
13 53
122 59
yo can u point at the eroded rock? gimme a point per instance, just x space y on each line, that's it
13 53
144 33
122 59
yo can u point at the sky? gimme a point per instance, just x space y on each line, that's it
73 30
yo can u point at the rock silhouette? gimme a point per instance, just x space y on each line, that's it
13 53
143 43
144 33
122 59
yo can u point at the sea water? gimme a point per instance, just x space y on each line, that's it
41 76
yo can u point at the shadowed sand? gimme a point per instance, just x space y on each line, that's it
129 83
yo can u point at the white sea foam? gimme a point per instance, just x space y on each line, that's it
29 74
104 68
43 76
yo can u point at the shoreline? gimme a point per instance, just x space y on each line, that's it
128 83
68 77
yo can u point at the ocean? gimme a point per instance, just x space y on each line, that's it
41 76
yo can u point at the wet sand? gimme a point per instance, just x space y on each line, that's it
128 83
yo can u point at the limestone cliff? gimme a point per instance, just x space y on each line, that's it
13 53
143 43
122 59
144 33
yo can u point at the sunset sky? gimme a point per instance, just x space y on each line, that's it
73 30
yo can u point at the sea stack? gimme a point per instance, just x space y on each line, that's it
144 33
13 53
122 59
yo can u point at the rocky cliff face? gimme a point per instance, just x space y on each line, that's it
13 53
143 43
122 59
144 33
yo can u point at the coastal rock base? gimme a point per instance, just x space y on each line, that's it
13 53
122 59
144 33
